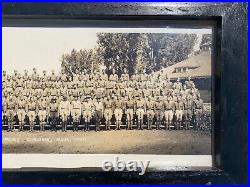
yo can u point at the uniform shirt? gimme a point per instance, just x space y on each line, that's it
22 104
64 105
4 78
159 105
108 104
26 77
143 77
75 93
110 85
5 93
189 84
125 77
35 77
14 77
4 105
84 78
178 85
169 85
53 77
32 106
44 78
53 107
76 105
42 105
140 104
98 106
87 105
113 77
54 92
9 84
169 105
150 105
116 104
11 105
131 104
179 105
189 104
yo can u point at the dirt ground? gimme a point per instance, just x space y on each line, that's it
108 142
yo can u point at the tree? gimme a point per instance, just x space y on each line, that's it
142 54
133 51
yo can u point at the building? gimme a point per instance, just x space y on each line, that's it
198 67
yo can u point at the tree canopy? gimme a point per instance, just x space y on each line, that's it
141 52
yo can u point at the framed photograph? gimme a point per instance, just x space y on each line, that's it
124 93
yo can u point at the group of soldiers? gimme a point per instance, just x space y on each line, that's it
138 101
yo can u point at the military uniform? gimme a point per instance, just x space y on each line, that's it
53 77
169 108
32 113
130 112
108 113
150 106
117 108
179 108
10 112
159 106
42 112
113 78
124 77
177 85
64 111
87 113
76 112
21 112
4 76
99 109
198 111
189 84
140 111
53 114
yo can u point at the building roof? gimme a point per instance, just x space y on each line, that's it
198 66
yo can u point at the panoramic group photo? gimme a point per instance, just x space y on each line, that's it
107 90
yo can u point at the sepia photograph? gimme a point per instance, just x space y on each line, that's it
107 91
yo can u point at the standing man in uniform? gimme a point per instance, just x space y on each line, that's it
10 112
150 106
113 77
188 111
117 108
76 112
130 111
53 114
189 84
179 106
35 75
42 113
26 76
159 106
125 76
198 111
108 112
87 106
178 85
32 112
99 110
169 108
21 112
140 111
64 112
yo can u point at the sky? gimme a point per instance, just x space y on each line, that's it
40 47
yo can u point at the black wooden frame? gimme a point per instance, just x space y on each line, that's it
230 90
